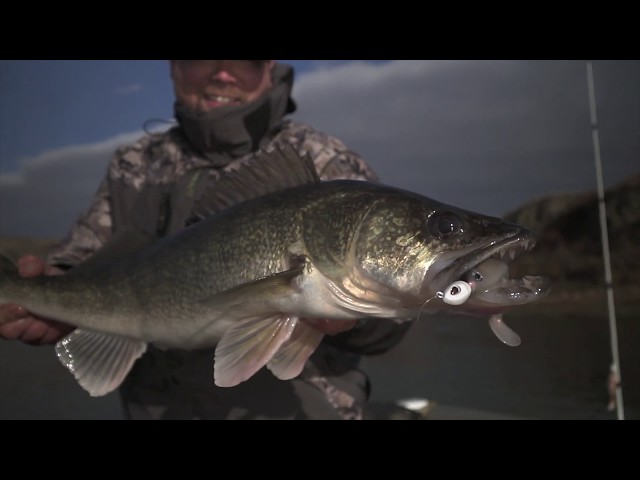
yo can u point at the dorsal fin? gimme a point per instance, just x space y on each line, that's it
278 168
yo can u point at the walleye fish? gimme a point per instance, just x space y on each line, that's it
275 245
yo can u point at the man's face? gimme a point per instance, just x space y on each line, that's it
202 85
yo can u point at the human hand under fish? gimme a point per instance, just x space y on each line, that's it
331 327
16 323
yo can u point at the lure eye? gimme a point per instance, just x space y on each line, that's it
457 293
445 224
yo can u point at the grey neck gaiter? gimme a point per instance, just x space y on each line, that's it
229 132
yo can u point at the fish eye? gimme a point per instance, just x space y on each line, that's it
444 224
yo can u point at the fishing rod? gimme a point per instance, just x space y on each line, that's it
613 329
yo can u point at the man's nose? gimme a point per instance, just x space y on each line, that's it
223 73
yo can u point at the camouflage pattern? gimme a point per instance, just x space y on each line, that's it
171 384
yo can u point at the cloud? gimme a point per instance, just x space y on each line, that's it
488 136
485 135
49 191
129 89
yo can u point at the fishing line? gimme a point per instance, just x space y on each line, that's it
437 295
455 294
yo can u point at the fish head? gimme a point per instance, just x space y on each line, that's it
476 250
412 249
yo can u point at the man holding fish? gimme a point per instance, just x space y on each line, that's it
274 269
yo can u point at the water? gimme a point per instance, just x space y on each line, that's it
558 372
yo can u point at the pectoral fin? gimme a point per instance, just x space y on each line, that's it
290 358
98 361
247 347
260 291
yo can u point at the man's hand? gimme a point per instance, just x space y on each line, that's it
331 327
18 324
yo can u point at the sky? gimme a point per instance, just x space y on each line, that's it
485 135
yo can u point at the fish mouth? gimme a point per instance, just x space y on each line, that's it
486 270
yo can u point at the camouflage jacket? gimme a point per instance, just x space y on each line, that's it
150 185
